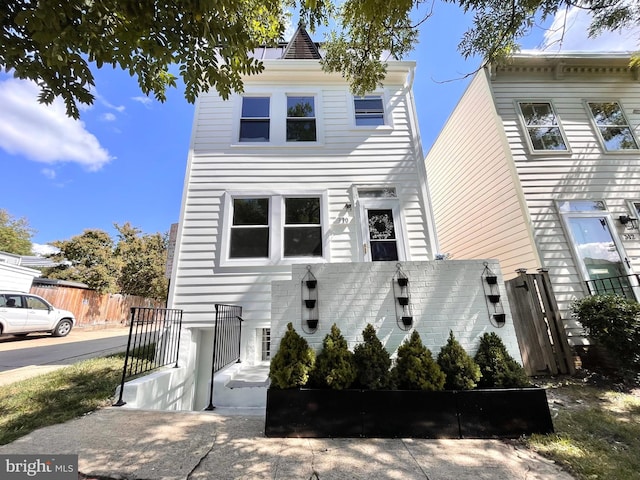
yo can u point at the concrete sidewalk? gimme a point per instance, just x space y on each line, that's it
126 444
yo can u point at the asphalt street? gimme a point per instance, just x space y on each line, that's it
39 353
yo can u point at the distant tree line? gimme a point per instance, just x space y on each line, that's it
134 263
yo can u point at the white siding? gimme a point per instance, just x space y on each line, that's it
584 173
343 156
476 199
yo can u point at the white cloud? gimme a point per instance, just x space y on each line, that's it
569 32
146 101
106 103
41 250
49 173
44 133
108 117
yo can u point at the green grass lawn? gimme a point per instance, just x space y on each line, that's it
597 432
58 396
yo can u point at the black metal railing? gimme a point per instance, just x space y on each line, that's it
622 285
227 332
154 342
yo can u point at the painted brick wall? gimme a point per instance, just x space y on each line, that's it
444 295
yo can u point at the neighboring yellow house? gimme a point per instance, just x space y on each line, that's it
539 167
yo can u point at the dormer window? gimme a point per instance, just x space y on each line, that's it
255 123
301 119
369 111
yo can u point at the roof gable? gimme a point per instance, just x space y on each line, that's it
301 47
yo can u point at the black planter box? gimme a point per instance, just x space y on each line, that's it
499 413
409 414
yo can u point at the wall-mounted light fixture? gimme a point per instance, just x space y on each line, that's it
347 206
628 222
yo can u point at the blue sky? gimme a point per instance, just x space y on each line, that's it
125 160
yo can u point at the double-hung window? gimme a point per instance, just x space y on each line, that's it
542 126
271 228
302 227
612 125
369 111
254 122
301 119
249 236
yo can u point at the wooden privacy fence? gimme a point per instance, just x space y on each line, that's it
539 327
93 308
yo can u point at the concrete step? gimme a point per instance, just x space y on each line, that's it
241 386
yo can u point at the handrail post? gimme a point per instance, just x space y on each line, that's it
120 401
239 336
213 362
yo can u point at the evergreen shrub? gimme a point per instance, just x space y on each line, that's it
612 321
415 368
291 364
334 367
461 370
372 362
498 368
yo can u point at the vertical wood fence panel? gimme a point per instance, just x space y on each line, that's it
92 308
539 327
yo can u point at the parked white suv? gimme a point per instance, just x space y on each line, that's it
23 313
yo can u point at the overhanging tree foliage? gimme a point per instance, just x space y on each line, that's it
15 234
54 43
87 258
134 265
143 262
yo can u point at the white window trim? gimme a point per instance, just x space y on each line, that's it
276 228
386 112
238 116
392 203
525 130
573 244
596 128
278 118
287 117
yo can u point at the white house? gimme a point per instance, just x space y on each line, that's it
297 177
14 275
539 167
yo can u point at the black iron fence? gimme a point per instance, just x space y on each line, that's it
621 285
154 342
227 332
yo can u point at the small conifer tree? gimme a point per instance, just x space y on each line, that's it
372 361
334 367
461 370
498 368
292 362
415 368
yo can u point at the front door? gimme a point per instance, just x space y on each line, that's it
382 241
601 256
381 226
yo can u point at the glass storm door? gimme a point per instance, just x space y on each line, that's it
382 242
599 253
382 230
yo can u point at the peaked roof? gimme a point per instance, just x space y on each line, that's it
301 47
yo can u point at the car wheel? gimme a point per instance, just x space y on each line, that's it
62 329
